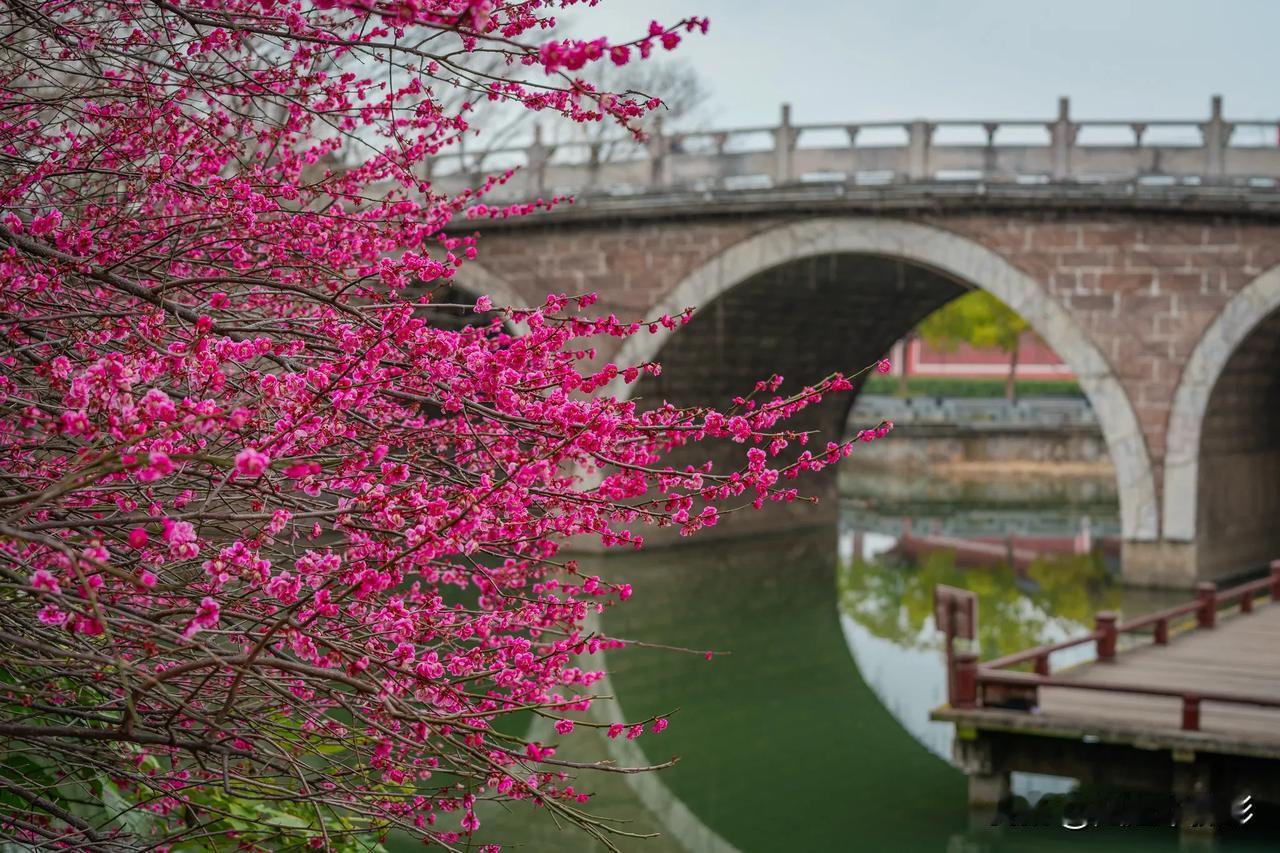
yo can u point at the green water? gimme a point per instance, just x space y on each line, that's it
782 744
811 730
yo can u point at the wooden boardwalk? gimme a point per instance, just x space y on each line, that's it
1240 656
1193 712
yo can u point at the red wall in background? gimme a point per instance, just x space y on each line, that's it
1035 361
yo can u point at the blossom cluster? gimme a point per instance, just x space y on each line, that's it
268 530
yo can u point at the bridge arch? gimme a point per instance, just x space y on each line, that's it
964 262
475 278
1236 344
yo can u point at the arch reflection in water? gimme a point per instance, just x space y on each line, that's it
782 744
811 731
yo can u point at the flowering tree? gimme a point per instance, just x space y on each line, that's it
276 550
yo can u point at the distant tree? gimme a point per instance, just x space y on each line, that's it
684 94
979 320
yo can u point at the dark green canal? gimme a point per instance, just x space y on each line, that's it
809 730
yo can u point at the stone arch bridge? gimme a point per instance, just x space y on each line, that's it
1153 271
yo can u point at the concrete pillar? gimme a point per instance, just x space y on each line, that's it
1062 136
784 144
919 136
1216 133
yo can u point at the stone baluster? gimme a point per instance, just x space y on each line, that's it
536 157
464 173
989 168
853 130
1062 138
1216 135
784 146
919 136
658 173
595 159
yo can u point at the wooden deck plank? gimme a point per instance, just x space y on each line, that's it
1241 655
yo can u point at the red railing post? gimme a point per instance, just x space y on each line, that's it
1042 665
1105 625
955 611
1191 713
1207 596
1246 601
1275 580
1162 632
966 680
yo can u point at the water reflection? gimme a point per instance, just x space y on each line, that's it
783 745
886 609
812 731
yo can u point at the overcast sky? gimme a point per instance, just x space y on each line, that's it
840 60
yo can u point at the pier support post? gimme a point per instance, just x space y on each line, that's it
1191 787
988 783
986 790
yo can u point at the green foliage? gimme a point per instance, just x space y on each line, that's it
240 814
275 824
977 319
952 386
1057 596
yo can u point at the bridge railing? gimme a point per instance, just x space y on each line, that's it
972 684
1212 151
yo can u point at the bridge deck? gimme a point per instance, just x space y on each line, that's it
1241 655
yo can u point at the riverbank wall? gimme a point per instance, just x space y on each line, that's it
1055 436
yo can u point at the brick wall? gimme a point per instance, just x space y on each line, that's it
1143 286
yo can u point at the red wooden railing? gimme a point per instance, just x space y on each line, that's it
971 684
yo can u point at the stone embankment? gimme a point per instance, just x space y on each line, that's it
1045 436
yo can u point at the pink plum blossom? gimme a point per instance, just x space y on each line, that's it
285 530
251 463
